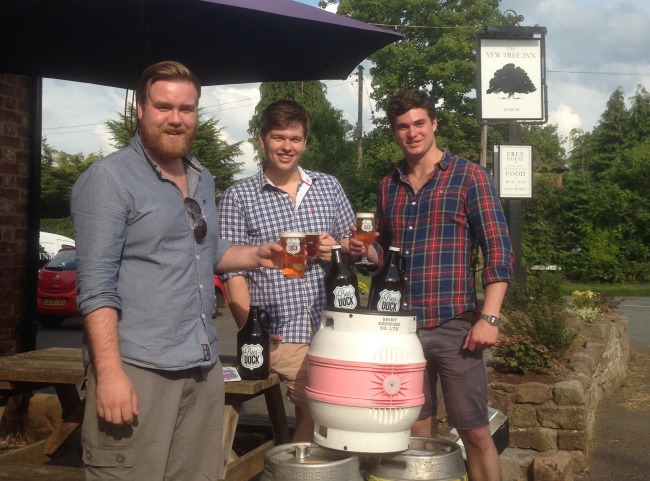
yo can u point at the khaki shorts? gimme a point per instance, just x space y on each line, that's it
289 361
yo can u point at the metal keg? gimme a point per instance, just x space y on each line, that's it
427 459
308 461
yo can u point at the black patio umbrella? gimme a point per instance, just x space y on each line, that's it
109 42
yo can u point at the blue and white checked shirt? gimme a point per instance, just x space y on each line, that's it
254 212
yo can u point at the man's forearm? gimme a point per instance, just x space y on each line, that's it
103 338
238 299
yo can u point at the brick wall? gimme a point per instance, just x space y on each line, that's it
14 175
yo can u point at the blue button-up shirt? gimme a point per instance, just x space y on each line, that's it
254 212
136 252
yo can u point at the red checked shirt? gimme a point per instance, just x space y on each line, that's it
436 228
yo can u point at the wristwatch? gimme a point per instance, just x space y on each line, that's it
492 320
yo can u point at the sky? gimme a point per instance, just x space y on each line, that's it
592 48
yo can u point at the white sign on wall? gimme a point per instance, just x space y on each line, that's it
515 171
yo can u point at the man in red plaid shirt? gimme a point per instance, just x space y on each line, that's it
435 206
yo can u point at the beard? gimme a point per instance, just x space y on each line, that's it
163 147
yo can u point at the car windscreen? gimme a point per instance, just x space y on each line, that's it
63 261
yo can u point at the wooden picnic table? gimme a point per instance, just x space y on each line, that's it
62 368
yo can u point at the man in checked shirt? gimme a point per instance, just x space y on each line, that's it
283 197
434 206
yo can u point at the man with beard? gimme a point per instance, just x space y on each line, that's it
146 230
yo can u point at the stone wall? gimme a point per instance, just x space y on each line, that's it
552 425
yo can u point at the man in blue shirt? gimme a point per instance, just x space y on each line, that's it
283 197
147 244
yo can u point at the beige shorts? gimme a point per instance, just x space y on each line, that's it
289 361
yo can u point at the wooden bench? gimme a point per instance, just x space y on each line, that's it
40 472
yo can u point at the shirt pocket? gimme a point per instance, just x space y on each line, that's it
448 205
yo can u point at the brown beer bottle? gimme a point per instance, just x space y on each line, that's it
388 284
253 348
341 285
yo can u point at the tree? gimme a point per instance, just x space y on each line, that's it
548 153
208 146
59 172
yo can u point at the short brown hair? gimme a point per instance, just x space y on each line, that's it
406 100
282 114
167 70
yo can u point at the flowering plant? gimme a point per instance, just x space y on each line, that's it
520 354
588 314
582 299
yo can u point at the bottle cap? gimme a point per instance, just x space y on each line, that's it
337 246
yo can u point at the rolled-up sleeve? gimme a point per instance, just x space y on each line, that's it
99 215
490 227
232 225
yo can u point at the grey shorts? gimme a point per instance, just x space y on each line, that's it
462 376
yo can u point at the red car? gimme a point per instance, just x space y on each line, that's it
57 289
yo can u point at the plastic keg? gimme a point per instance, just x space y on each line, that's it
427 459
364 388
308 461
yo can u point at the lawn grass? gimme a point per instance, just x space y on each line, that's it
616 290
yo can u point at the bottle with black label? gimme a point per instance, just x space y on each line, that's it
341 285
388 284
253 348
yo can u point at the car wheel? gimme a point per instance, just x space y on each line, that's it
50 321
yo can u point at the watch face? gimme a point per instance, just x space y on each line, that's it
492 320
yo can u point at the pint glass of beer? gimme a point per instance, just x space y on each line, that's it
365 224
293 257
312 239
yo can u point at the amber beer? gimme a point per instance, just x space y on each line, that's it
365 225
312 240
293 257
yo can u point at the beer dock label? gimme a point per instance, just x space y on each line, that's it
252 356
366 225
345 298
389 301
293 245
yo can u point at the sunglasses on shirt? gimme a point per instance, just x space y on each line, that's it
199 227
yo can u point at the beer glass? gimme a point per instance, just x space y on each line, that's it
312 240
365 224
293 257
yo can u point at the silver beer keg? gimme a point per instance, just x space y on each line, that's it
308 461
427 459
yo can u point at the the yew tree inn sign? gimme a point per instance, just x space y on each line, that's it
511 77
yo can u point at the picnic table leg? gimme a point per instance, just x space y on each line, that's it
72 413
277 415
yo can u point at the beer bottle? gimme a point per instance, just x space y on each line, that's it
341 285
387 285
253 348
